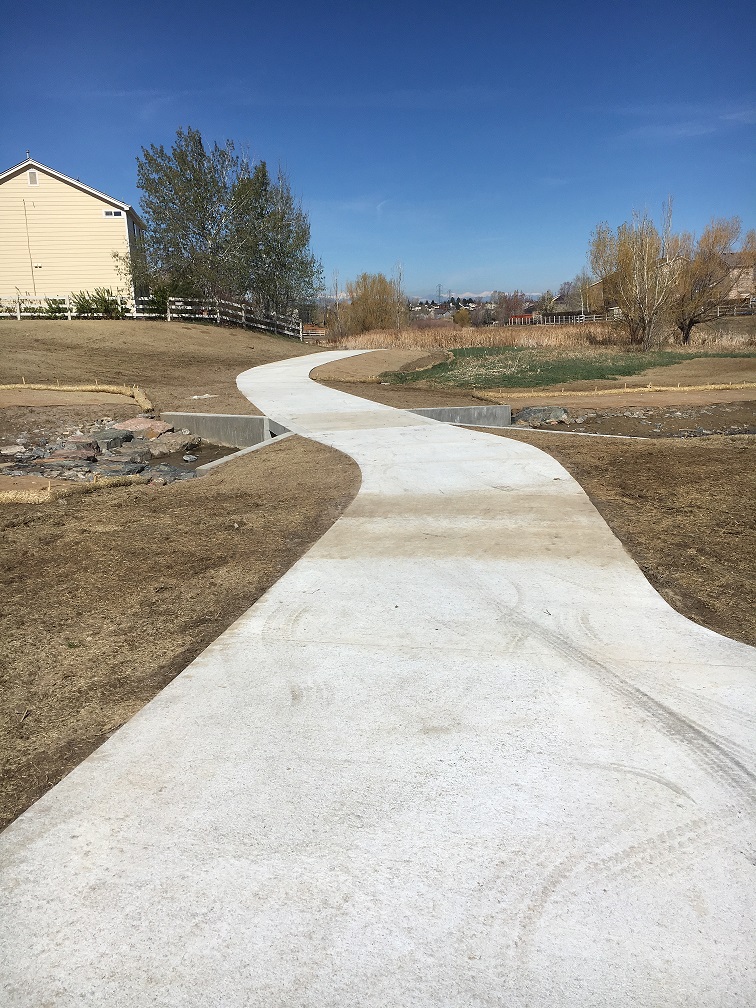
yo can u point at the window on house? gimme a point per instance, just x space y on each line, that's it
33 178
113 213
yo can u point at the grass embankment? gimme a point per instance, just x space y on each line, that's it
521 367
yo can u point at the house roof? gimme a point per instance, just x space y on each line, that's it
31 163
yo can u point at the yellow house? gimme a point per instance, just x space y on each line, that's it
58 236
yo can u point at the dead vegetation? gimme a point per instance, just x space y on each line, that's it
724 333
170 361
684 509
106 598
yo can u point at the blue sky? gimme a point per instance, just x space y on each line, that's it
476 145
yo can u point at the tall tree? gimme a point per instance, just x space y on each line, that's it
707 273
636 265
375 302
218 225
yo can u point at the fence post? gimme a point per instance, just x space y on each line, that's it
217 311
18 307
244 316
68 307
301 332
168 310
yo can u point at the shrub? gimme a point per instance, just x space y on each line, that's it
55 307
102 304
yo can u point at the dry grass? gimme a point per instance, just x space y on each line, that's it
58 492
171 361
633 390
106 597
595 334
730 333
684 509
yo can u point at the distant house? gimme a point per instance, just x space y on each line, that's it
742 284
742 276
58 236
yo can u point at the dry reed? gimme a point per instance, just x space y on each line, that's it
595 334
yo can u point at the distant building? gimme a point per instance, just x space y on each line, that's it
58 236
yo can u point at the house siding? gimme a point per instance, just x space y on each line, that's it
63 232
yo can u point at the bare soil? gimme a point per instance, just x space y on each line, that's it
369 366
685 510
105 598
171 361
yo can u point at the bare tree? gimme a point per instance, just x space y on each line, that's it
637 266
508 305
400 307
707 273
574 293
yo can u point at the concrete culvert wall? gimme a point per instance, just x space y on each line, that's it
472 416
227 429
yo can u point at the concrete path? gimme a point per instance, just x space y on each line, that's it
460 756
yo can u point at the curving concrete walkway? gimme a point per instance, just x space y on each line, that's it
460 756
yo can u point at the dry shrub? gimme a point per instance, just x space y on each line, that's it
431 323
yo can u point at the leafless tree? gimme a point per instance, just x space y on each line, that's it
707 273
637 265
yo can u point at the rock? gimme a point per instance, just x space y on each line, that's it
112 439
118 468
167 444
74 454
171 473
146 426
12 450
189 458
59 463
136 451
541 414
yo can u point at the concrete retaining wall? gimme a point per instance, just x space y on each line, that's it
228 429
469 416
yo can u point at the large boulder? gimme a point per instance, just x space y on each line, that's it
167 444
147 427
531 415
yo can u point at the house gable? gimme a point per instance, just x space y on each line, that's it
58 235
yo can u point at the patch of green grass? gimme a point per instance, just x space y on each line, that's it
525 367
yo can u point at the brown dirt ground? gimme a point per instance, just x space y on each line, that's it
105 598
170 361
80 653
685 511
368 366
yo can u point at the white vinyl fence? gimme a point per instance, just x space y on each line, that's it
219 311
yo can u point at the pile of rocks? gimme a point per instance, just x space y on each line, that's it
104 448
538 416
